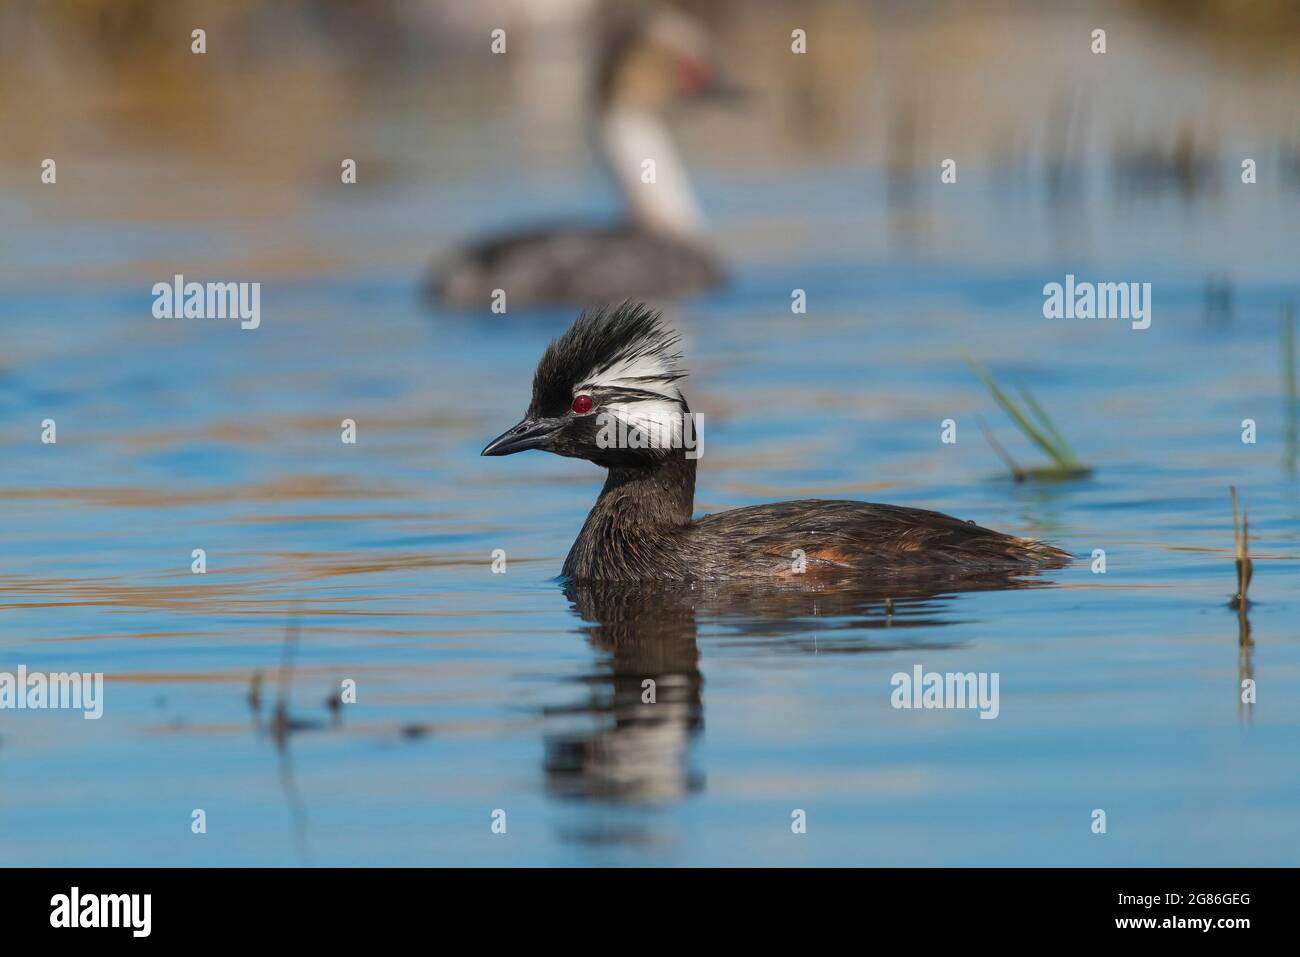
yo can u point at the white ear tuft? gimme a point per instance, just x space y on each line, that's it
659 422
649 373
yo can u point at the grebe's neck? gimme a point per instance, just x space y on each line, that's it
628 137
661 495
638 512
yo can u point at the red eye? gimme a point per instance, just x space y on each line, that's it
582 404
692 74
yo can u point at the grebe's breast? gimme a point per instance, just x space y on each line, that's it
566 265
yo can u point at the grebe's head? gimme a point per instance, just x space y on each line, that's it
653 60
606 391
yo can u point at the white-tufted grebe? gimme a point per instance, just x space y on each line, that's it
647 65
617 365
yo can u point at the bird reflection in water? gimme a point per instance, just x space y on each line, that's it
647 633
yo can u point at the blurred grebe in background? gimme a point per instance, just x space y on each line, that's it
647 65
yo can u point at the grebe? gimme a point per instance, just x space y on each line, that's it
648 65
612 376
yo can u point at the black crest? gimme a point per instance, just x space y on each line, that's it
602 341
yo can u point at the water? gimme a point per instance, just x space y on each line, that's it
479 692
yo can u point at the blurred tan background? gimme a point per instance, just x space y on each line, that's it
254 130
